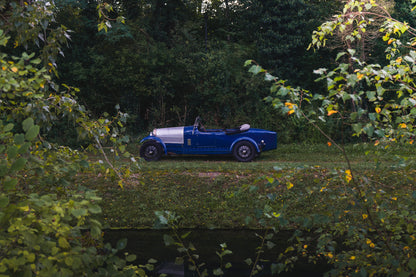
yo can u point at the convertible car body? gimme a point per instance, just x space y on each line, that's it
244 143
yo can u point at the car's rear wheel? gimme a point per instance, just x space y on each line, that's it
244 151
151 151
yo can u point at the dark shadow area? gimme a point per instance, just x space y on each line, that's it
146 244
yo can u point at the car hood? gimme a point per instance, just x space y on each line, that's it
170 135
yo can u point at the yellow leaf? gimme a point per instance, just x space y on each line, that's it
330 255
399 60
120 183
348 175
331 112
329 144
378 110
403 125
365 216
376 143
289 185
290 112
14 69
390 41
63 243
276 214
352 258
360 76
25 208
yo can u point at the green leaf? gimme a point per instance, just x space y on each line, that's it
357 128
168 240
12 152
218 272
248 261
10 183
68 261
84 164
63 243
340 55
24 148
270 244
184 236
32 132
131 258
3 169
19 139
18 164
248 62
4 201
95 209
371 95
255 69
27 123
269 77
121 244
369 130
79 212
152 261
8 127
95 231
179 260
412 264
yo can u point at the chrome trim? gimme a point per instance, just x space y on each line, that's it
170 135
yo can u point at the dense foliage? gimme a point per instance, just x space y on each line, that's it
174 60
47 229
365 227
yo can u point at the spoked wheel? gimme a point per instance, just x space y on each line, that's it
244 151
151 151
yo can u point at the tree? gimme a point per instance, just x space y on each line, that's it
376 232
47 227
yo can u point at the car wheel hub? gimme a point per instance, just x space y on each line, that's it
151 151
244 151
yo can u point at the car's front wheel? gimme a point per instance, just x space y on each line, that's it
244 151
151 151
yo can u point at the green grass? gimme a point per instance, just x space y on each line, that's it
218 192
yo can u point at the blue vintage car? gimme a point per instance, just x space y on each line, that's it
244 143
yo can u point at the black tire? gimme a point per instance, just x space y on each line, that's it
151 151
244 151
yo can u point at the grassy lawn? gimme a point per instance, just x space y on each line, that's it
218 192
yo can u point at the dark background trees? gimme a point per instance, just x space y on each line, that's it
174 60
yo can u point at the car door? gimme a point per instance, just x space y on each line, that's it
197 142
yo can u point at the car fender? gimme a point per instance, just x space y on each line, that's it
155 139
247 139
